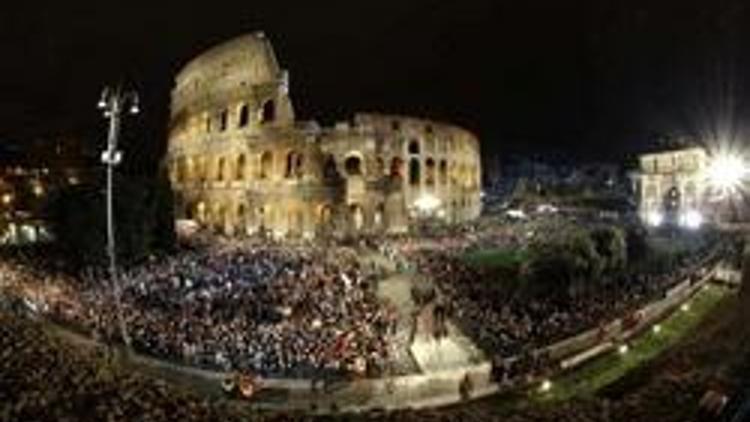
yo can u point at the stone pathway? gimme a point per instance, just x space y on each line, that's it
397 291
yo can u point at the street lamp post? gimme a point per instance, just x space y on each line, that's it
114 102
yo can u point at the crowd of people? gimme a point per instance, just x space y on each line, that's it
47 379
514 327
284 312
303 311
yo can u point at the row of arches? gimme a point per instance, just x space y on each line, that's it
429 171
433 145
240 118
238 168
238 218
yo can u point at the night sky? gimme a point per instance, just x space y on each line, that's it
593 79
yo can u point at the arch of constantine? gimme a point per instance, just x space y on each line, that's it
240 163
671 184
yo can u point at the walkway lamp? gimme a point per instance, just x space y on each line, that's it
113 103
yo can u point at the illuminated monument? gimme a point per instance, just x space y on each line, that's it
672 186
240 163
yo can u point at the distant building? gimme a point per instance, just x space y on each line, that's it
240 163
29 171
671 186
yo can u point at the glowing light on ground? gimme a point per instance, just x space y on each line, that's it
623 349
655 219
692 219
427 203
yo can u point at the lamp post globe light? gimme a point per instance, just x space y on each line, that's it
114 102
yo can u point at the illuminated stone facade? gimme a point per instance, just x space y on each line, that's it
240 163
671 184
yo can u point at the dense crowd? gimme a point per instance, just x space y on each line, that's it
45 379
306 310
271 311
515 327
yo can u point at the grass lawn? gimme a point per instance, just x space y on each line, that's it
495 258
605 370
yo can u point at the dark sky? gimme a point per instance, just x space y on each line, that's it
586 78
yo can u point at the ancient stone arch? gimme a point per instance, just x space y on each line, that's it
241 167
414 147
415 172
430 171
244 116
443 172
266 165
268 113
330 169
353 164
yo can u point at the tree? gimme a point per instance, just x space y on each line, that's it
143 222
611 246
566 264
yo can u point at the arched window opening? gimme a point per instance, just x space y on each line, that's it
261 214
244 116
415 172
220 170
414 147
443 172
330 171
430 167
202 172
353 165
241 217
221 220
266 162
240 170
293 165
269 112
223 120
299 165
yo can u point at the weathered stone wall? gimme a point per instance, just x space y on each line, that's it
240 163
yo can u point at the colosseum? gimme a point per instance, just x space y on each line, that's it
241 164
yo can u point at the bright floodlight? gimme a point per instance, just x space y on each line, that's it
692 219
655 218
726 172
427 203
545 386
